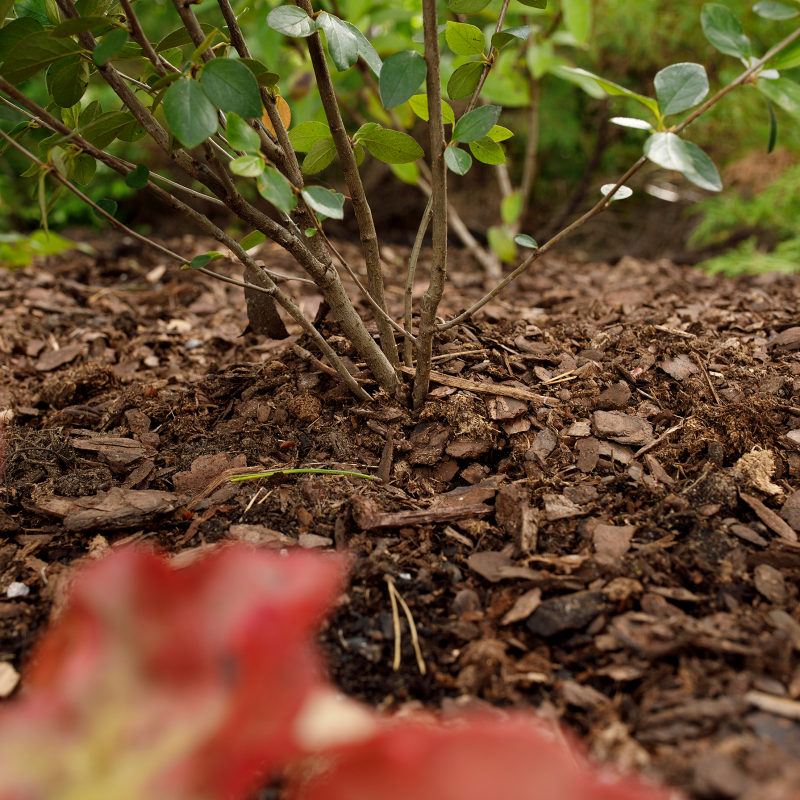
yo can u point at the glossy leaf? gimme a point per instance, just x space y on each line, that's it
109 206
632 122
190 115
621 193
166 80
408 173
487 151
467 6
523 240
615 89
724 31
241 136
273 187
366 50
206 258
680 87
476 124
502 38
392 147
253 239
305 135
70 83
71 114
291 21
138 177
419 105
511 207
180 37
671 152
499 134
33 53
783 93
366 129
90 114
401 75
247 166
464 40
578 18
320 155
71 27
109 46
83 168
773 10
325 201
15 31
464 81
231 86
457 160
342 42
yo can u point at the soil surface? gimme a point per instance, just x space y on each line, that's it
601 524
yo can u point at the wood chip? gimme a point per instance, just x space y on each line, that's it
525 606
770 518
118 509
781 706
402 519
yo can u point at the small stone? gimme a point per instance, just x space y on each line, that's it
622 428
17 589
569 612
770 583
616 396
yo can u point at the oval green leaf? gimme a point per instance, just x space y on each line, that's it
487 151
476 124
305 135
499 134
783 93
419 105
724 31
78 25
680 87
205 258
620 194
15 31
138 177
34 52
84 168
502 38
578 18
671 152
109 206
392 147
291 21
253 239
534 3
247 166
788 58
69 83
467 6
464 40
772 10
500 241
342 42
401 76
241 136
457 160
319 156
511 207
190 115
230 86
523 240
109 46
180 37
464 81
366 50
325 201
260 72
274 188
614 88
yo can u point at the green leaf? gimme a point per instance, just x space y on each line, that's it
71 114
615 88
502 38
671 152
230 86
241 136
69 83
78 25
501 242
487 151
5 10
291 21
274 188
632 122
365 129
788 58
309 232
408 173
198 262
36 9
253 239
359 153
102 130
190 115
138 177
499 134
773 126
15 31
534 3
523 240
476 124
197 53
620 194
33 53
401 75
467 6
92 8
325 201
392 147
464 40
783 93
319 156
342 42
90 114
578 18
464 81
83 168
457 160
366 50
680 87
260 72
305 135
247 166
132 131
166 80
771 10
181 37
109 206
724 31
109 46
419 105
511 207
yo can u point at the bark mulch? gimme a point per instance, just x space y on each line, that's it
595 513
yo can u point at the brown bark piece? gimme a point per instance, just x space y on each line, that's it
556 507
588 454
262 312
787 340
53 359
505 408
791 510
622 428
526 604
119 453
204 470
611 542
616 396
657 471
401 519
514 514
544 444
469 495
468 448
769 518
770 583
570 612
681 367
118 509
261 536
489 563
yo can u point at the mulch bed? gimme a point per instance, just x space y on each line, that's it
600 524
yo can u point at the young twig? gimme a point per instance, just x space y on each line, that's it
492 55
139 37
408 355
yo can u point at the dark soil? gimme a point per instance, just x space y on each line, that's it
622 556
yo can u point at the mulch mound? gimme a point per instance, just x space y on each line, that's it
594 514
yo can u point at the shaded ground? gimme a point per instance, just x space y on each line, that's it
620 552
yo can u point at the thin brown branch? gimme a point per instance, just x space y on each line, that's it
137 32
492 56
191 24
408 355
219 168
